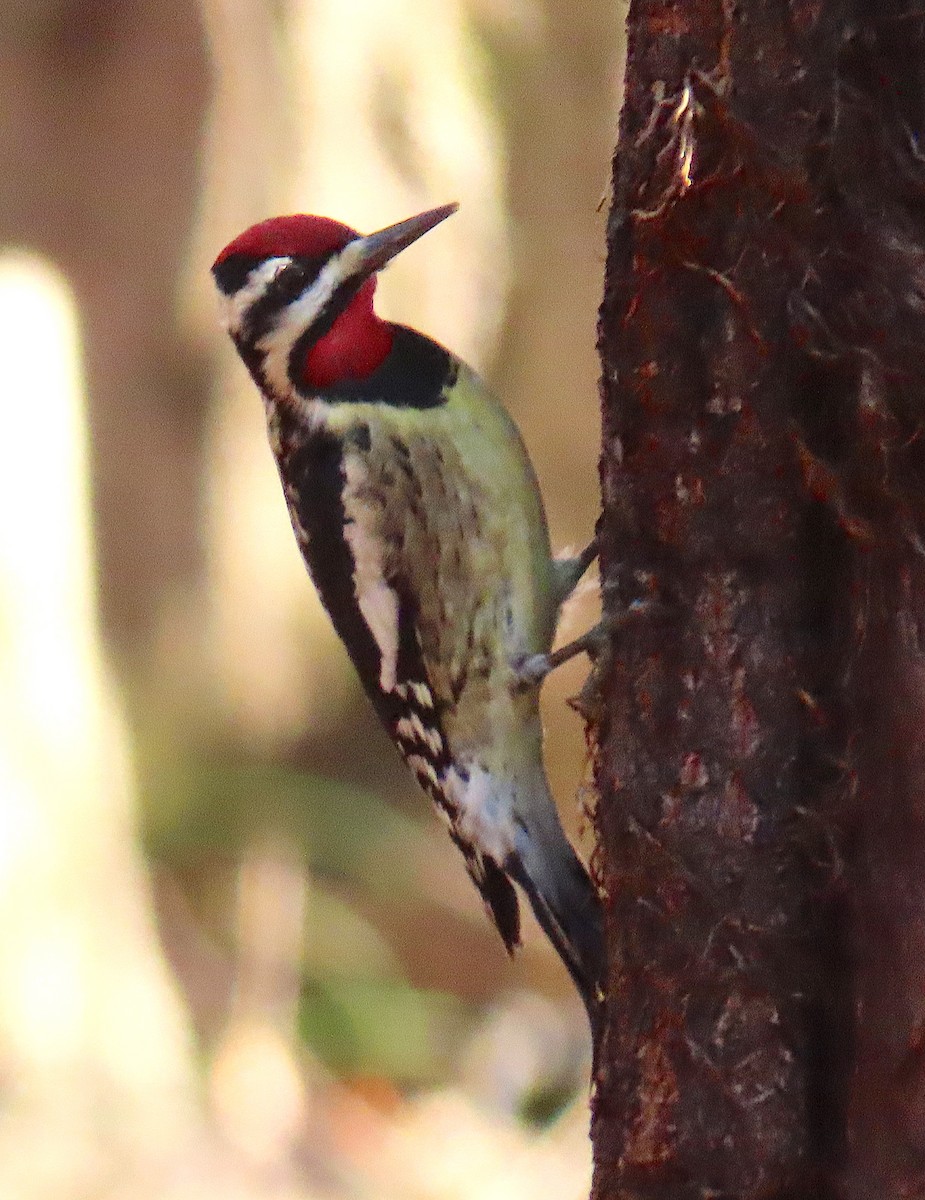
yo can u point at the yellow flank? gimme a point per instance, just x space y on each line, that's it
456 512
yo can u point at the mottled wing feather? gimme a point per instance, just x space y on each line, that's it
311 470
314 474
416 742
497 892
314 484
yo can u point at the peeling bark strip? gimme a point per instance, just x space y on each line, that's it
762 731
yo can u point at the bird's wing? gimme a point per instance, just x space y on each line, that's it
361 521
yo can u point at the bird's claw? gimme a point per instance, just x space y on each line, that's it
531 670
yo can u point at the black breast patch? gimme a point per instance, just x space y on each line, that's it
415 374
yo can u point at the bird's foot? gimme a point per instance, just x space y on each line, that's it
570 570
531 670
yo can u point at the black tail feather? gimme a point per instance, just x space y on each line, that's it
563 899
497 892
567 907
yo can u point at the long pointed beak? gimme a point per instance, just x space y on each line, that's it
365 255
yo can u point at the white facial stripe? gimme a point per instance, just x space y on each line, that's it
378 602
258 280
296 317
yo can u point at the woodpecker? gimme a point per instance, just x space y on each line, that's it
418 514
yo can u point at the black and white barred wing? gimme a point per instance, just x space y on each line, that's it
396 576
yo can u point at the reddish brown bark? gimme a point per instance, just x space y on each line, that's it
762 725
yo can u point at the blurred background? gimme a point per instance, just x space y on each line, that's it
238 955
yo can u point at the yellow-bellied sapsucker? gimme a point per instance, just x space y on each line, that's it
418 514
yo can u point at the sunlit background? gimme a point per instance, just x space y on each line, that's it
238 955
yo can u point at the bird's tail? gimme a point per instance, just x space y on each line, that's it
565 903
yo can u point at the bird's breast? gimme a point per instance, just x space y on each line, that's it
427 542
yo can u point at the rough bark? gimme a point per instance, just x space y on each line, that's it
760 728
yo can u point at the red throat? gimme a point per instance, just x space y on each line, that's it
358 341
355 345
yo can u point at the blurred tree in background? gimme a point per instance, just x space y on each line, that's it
239 955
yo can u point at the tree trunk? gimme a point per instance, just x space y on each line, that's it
761 725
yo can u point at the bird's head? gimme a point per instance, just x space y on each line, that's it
298 296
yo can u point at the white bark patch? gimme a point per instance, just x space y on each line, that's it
378 602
